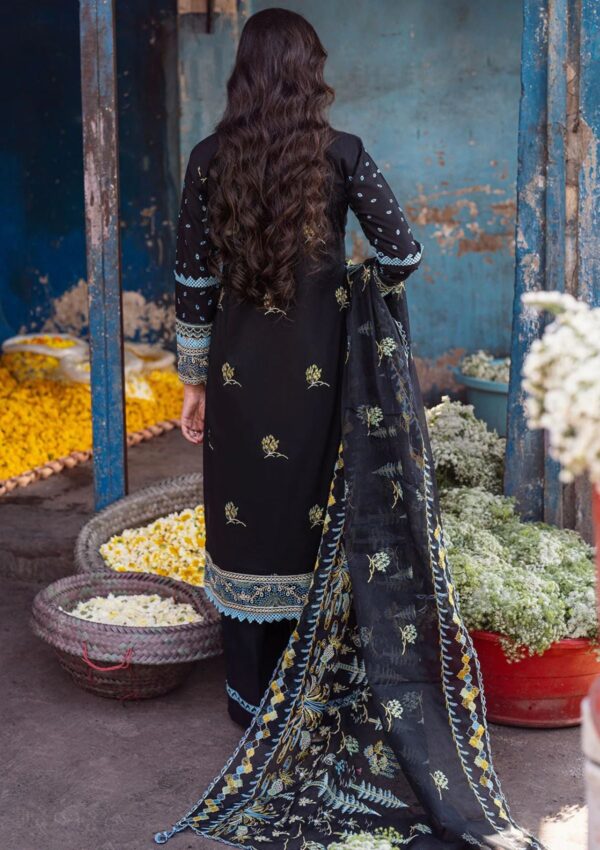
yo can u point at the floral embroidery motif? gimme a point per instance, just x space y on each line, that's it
379 562
393 710
228 372
381 758
316 516
270 446
408 635
440 780
313 377
341 296
231 512
371 416
385 348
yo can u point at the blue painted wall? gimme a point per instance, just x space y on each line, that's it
42 244
433 89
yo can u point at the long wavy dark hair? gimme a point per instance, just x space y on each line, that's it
270 176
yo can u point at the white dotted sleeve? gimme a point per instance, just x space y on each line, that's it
196 291
397 251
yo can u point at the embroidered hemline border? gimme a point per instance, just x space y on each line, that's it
256 598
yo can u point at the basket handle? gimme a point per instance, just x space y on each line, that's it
122 666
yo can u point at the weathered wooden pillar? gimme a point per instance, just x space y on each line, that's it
101 178
558 217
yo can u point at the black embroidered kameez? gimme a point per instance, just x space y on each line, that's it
374 716
273 422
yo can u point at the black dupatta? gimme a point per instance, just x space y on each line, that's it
375 717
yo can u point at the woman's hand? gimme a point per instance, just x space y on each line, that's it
192 412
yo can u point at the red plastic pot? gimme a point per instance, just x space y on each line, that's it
543 691
595 692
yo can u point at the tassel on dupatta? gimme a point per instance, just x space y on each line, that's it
375 717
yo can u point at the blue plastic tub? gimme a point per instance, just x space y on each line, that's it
489 400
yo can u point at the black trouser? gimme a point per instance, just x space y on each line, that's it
252 651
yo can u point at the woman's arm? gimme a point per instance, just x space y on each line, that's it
397 252
196 296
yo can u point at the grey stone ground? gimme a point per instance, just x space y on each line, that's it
83 773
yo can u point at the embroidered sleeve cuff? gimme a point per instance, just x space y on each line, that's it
193 344
391 272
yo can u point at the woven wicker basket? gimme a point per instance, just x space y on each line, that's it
124 662
141 508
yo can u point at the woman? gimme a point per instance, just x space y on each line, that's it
346 657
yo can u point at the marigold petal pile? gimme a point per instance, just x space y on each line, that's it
42 418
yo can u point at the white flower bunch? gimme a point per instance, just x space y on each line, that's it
464 451
561 376
530 582
139 609
486 366
172 546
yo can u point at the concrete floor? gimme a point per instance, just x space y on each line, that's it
83 773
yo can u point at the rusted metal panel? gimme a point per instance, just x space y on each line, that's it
524 477
101 182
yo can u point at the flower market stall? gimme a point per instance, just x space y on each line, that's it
46 411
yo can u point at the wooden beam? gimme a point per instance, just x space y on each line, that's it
101 182
556 212
524 476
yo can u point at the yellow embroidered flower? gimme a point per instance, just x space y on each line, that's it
379 562
316 516
172 545
313 377
228 372
231 512
341 296
270 446
408 634
393 709
440 780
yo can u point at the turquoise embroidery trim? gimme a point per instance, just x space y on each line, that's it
192 336
196 282
256 598
410 260
251 709
193 342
